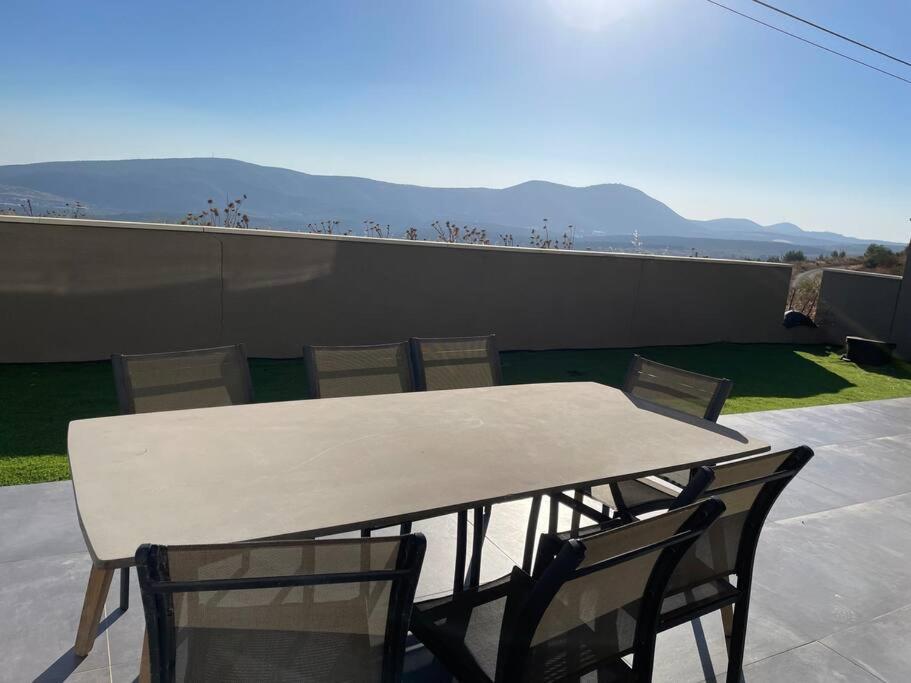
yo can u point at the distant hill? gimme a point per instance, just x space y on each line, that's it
603 215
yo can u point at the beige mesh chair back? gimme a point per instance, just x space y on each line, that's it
358 370
200 378
748 488
701 582
455 362
590 602
326 610
688 392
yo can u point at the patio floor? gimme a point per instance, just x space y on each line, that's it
832 586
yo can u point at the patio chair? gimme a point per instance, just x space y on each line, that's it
459 363
589 603
199 378
176 380
335 371
455 362
701 583
325 610
358 370
680 390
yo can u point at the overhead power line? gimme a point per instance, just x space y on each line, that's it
810 42
834 33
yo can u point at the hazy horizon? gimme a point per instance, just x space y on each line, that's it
450 187
709 113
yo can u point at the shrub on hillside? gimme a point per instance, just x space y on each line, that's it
880 256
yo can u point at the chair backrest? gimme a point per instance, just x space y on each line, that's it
596 598
199 378
455 362
358 370
748 488
324 610
689 392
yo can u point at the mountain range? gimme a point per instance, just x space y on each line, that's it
603 216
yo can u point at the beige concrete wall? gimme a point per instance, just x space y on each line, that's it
859 304
83 292
80 290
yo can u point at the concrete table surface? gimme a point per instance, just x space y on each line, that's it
323 466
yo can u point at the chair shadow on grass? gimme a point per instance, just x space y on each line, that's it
757 370
786 374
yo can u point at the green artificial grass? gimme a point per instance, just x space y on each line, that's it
39 400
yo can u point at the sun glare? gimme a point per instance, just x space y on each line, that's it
591 15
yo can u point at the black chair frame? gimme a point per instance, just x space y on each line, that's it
157 589
773 485
558 562
702 478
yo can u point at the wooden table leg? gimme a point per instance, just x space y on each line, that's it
96 592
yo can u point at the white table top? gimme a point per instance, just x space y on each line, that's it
216 475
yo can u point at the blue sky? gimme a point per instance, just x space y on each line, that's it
703 110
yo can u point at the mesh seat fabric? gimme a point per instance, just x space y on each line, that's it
203 378
458 363
714 555
324 632
681 390
359 370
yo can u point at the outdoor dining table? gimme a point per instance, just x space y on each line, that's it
318 467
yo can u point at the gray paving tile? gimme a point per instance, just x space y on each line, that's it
898 409
94 676
823 425
509 523
862 470
880 645
900 440
40 604
793 427
855 421
38 520
751 424
439 560
696 651
126 633
803 497
124 674
812 663
837 568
